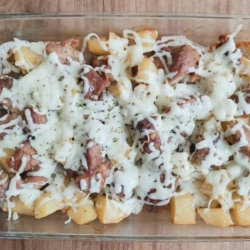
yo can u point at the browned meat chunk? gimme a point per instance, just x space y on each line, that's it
235 138
152 138
64 50
183 57
37 119
97 85
8 113
5 82
97 62
246 149
246 96
222 38
37 181
158 63
4 182
185 102
71 173
96 165
15 161
199 156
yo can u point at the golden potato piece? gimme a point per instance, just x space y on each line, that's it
3 164
217 217
27 59
114 89
108 211
116 43
46 205
95 47
84 212
245 48
147 71
206 188
182 209
241 214
21 208
149 37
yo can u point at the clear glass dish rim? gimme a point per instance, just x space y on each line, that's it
160 15
107 237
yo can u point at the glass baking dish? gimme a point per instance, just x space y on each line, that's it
153 223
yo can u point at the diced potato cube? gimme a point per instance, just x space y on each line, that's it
217 217
116 44
241 214
84 212
182 209
46 205
3 164
206 188
24 53
21 208
95 47
149 37
147 71
108 211
114 89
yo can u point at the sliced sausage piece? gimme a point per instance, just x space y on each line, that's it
64 50
97 84
98 167
15 161
153 136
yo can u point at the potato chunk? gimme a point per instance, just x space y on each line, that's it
217 217
46 205
95 47
84 212
147 71
21 208
18 207
27 59
182 209
148 37
108 211
241 214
